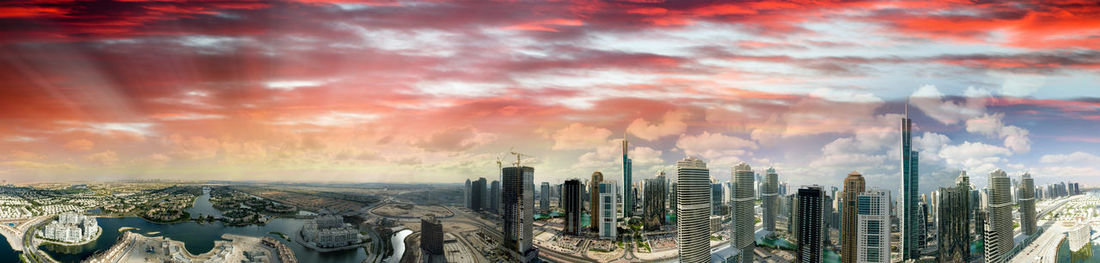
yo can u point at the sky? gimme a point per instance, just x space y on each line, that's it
437 91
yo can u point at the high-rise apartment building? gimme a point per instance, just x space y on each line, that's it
594 201
769 194
1027 205
571 196
494 197
998 231
431 236
693 210
519 212
654 202
873 227
544 198
608 205
742 210
477 195
853 186
811 223
952 224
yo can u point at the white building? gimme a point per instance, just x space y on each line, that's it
608 201
328 230
71 227
693 197
873 223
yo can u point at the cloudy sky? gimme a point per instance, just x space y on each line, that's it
435 91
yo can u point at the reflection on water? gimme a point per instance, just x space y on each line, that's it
398 243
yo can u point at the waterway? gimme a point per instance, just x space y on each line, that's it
198 238
7 254
398 243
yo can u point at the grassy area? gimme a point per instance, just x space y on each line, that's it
715 238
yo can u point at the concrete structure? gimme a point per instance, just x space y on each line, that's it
544 198
328 230
494 197
431 236
608 198
467 193
653 212
769 191
571 196
742 210
853 186
628 187
693 210
1027 205
873 227
811 223
998 230
71 227
519 212
1078 236
594 201
910 222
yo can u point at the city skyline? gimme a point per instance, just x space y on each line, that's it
150 90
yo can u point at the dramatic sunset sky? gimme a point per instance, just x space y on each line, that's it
434 91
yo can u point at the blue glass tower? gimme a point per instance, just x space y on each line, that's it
628 191
911 223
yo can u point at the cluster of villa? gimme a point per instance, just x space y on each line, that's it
328 231
71 228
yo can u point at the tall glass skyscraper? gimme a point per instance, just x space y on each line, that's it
873 224
628 190
1027 204
742 210
571 196
952 223
519 212
910 222
769 192
693 210
998 231
853 186
811 223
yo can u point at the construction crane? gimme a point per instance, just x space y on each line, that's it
519 156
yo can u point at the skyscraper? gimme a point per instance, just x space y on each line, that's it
608 195
873 225
654 208
769 191
571 202
693 210
742 212
628 190
519 211
477 195
431 236
952 224
853 186
594 201
811 223
1027 205
998 232
494 198
911 224
466 194
716 200
544 198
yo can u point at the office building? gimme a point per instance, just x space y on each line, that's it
571 196
811 223
716 199
654 202
742 210
466 194
873 227
693 210
910 220
594 201
628 190
1027 205
519 212
769 192
998 232
608 199
494 198
853 186
544 198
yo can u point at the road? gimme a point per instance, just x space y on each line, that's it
1044 247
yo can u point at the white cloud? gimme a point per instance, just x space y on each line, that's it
932 102
673 124
292 84
845 95
974 157
579 136
715 147
1079 158
991 125
331 119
